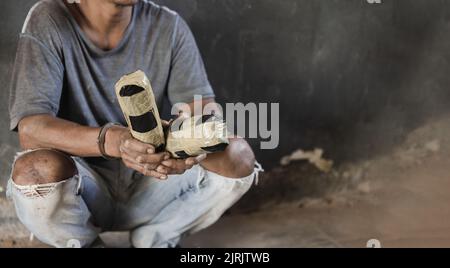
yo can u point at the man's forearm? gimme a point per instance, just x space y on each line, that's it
46 131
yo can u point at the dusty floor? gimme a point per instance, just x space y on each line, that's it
401 199
412 211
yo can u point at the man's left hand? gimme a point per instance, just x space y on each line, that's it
179 166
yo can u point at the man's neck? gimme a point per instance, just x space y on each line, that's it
104 22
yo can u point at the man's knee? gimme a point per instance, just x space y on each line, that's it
43 166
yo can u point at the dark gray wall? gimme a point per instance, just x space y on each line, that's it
350 77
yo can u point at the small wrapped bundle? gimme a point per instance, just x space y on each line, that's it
196 135
138 105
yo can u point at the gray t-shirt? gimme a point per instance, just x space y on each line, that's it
59 71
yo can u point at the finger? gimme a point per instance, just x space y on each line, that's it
128 158
173 171
195 160
162 169
174 166
150 166
155 174
142 158
132 165
177 164
149 171
169 163
131 153
181 166
145 170
137 146
152 158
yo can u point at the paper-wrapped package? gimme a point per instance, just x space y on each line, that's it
138 105
197 135
185 137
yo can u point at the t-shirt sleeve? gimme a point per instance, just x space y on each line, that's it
36 81
187 74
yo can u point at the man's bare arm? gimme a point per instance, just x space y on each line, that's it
46 131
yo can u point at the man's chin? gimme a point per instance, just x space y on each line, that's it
125 2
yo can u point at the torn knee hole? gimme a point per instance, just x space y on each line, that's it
37 190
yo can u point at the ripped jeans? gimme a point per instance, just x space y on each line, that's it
98 199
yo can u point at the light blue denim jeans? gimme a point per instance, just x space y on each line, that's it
157 213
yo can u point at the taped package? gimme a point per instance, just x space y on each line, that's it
186 137
202 134
138 105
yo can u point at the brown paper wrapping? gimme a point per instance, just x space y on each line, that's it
197 135
194 136
139 108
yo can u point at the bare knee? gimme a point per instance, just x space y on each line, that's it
237 161
43 166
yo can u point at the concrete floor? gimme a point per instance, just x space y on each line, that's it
402 199
412 211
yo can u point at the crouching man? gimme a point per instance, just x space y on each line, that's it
79 175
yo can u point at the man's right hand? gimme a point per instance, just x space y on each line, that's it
135 154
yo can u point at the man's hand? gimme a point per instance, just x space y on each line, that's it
142 156
179 166
135 154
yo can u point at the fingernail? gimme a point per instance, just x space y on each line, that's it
139 159
166 157
166 163
150 151
127 143
164 177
